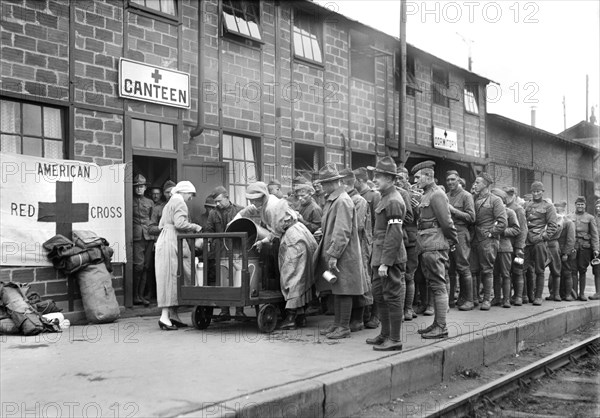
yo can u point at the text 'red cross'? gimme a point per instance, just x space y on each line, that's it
64 212
156 76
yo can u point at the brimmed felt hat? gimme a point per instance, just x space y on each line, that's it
139 180
386 165
347 173
422 165
219 190
256 190
329 173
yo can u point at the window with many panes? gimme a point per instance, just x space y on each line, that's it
440 87
164 6
362 58
32 129
472 98
242 155
242 18
152 135
308 37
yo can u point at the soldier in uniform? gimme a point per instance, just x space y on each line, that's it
388 258
462 210
504 257
142 240
339 252
411 201
365 235
586 243
568 255
274 188
554 256
309 212
490 223
518 244
436 235
596 266
541 224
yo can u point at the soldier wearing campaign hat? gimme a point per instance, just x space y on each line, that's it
586 243
541 224
436 235
142 240
388 261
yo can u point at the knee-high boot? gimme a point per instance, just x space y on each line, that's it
408 300
487 279
530 285
518 288
582 280
555 295
539 289
466 289
596 295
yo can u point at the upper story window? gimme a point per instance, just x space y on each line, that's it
472 98
32 129
308 37
164 6
152 135
242 155
362 58
241 18
440 84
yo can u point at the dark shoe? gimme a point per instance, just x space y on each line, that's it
178 324
485 305
373 323
301 321
222 317
525 300
166 327
595 296
517 301
408 316
506 303
556 298
426 330
496 302
421 310
537 302
467 306
569 298
388 345
138 302
380 339
313 310
339 333
429 311
330 328
356 326
582 298
289 322
436 332
145 302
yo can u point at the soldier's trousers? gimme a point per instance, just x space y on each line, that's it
584 256
536 256
433 267
502 276
566 275
555 265
389 293
459 264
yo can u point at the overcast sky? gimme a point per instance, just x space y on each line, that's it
538 51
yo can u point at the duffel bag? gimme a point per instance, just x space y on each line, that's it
7 325
25 317
97 294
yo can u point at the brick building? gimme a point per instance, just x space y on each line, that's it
522 154
275 89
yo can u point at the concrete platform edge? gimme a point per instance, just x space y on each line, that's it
346 391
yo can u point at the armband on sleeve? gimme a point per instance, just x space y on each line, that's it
393 221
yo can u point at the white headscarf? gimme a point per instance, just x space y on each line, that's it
184 187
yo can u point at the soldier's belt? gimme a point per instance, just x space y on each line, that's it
427 225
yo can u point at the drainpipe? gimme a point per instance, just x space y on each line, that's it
200 126
402 109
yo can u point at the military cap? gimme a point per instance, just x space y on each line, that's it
210 201
402 169
219 190
139 180
304 186
347 173
500 193
580 199
151 189
274 182
361 173
421 166
301 180
487 178
537 186
168 185
452 172
386 165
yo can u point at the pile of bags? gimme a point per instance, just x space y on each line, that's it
88 259
24 312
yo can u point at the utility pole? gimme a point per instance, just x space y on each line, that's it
402 109
469 42
587 96
564 113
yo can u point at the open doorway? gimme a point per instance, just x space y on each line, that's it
307 160
363 160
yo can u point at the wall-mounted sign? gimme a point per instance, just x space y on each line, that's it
149 83
445 139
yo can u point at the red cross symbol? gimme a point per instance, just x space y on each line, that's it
156 76
64 212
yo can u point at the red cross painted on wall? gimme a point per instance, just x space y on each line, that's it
156 76
64 212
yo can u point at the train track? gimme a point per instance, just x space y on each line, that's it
486 396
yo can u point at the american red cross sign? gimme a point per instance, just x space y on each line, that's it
40 198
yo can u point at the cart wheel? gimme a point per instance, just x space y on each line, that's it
201 316
267 318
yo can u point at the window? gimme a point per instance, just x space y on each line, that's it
526 177
32 129
241 18
164 6
307 37
307 160
362 58
440 87
472 98
241 154
152 135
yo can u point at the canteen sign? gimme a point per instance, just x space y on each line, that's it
139 81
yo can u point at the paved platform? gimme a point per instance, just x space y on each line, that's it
132 369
